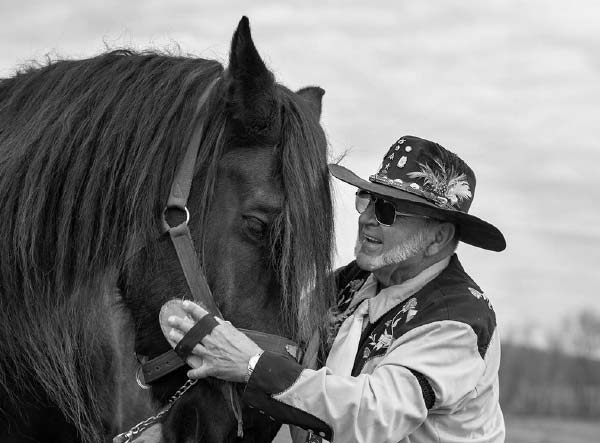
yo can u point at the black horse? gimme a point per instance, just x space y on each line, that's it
88 151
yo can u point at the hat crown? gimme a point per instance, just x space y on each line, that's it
428 170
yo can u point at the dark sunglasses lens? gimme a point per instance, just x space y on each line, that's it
362 201
385 212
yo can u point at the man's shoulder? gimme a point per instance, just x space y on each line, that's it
455 291
453 296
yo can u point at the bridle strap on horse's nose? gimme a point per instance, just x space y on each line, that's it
175 222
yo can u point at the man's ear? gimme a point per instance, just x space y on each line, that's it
443 235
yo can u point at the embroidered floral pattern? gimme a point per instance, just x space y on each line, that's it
475 293
410 314
382 336
355 285
410 304
480 296
385 340
340 312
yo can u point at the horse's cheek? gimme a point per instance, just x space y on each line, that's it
241 276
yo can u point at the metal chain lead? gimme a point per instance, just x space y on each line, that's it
145 424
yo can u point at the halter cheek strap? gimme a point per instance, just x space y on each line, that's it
182 241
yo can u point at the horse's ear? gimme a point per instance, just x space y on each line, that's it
250 87
313 95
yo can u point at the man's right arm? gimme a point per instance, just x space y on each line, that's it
386 405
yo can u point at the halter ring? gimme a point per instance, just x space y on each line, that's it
166 226
139 378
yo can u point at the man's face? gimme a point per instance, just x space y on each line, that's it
379 246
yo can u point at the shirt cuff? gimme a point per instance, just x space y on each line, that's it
273 374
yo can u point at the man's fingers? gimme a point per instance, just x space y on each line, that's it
197 312
182 324
201 372
175 336
194 361
199 350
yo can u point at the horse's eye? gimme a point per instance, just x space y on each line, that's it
254 227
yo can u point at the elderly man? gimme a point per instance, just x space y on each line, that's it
414 348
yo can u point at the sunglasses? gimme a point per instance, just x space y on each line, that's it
385 211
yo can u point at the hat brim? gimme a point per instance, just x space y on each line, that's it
473 230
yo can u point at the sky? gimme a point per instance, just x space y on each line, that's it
511 86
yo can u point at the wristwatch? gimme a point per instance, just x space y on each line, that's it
251 365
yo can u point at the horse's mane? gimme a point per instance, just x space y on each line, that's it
306 225
88 150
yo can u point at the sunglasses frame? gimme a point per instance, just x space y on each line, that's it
374 199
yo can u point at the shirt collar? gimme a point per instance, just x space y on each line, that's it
396 294
392 296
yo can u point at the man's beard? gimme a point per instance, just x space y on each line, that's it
412 246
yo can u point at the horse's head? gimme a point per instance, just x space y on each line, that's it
261 221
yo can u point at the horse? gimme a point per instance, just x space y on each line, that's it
88 151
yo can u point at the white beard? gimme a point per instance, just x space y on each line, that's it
412 246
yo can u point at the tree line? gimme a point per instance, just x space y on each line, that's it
561 380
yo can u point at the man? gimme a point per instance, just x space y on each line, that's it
415 351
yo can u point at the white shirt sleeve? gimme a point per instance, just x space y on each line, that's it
387 404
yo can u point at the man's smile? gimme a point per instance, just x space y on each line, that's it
371 239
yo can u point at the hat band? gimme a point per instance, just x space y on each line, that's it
413 188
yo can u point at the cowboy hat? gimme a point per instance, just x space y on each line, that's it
424 178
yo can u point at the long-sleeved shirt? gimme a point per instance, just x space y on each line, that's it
426 370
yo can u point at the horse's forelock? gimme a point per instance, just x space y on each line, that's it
306 225
88 150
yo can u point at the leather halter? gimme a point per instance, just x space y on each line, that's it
181 238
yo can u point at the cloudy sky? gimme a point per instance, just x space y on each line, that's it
512 86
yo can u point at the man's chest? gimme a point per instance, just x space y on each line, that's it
377 337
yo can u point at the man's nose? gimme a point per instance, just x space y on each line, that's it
368 216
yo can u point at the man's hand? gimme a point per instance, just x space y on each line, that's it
224 353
